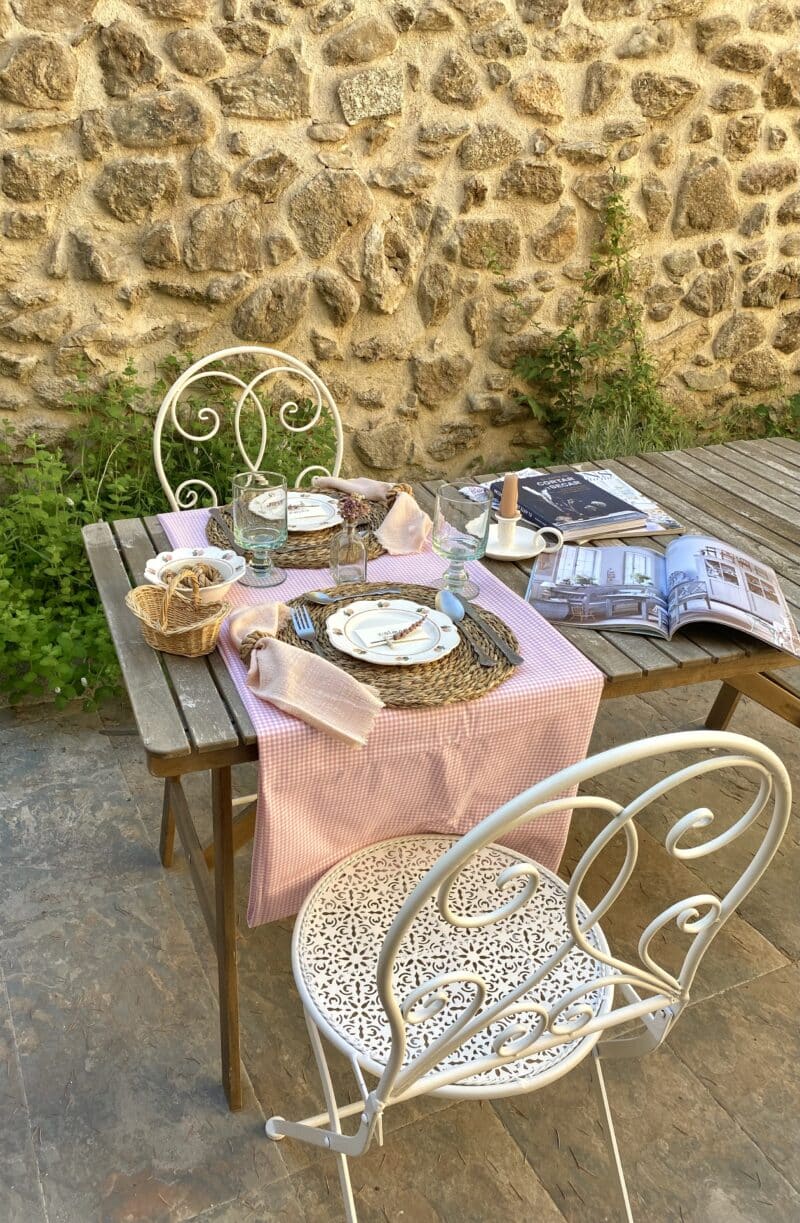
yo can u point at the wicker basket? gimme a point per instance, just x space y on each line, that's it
174 623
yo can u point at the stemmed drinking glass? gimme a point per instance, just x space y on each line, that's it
260 523
460 532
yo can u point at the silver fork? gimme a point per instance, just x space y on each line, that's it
303 626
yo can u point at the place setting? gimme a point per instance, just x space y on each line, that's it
415 645
313 518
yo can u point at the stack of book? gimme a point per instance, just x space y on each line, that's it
587 505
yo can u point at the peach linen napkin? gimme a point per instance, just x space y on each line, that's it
404 529
302 684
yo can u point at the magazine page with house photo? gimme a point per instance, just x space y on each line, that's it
710 580
606 587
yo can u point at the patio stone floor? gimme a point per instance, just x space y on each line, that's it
110 1104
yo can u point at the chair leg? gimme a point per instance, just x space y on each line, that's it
333 1113
612 1134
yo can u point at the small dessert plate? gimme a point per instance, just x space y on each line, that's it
525 546
228 565
304 511
364 628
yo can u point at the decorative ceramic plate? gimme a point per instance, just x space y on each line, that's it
365 629
304 511
228 564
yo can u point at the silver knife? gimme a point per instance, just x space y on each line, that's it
491 633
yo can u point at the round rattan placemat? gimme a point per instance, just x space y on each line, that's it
311 549
456 677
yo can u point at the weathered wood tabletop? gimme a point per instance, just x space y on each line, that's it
190 717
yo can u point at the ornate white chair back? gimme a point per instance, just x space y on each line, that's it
648 997
200 424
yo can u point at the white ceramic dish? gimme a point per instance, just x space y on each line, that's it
304 511
527 544
356 628
230 567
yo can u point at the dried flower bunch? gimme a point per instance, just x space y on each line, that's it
353 509
206 575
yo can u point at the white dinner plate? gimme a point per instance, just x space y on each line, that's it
304 511
358 629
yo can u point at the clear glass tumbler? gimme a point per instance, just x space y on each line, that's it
260 523
460 532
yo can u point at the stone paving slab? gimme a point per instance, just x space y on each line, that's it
746 1051
111 1096
20 1190
116 1031
686 1158
70 826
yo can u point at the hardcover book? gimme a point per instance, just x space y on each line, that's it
571 502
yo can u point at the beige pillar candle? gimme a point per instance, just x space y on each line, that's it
509 497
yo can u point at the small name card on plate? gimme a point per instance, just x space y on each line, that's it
301 510
372 637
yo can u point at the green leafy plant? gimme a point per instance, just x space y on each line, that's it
53 636
594 384
778 419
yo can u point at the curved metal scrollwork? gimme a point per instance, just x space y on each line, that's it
527 871
524 1021
207 421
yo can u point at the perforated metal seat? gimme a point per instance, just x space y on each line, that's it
341 927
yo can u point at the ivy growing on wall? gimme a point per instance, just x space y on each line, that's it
594 384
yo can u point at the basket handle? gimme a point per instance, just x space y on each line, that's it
172 590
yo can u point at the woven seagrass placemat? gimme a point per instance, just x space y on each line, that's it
456 677
309 549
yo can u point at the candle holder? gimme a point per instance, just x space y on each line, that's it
506 531
508 541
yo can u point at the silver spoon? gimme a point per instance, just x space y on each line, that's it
325 600
452 607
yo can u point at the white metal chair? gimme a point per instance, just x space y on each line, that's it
460 968
273 364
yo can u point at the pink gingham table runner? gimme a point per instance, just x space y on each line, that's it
423 770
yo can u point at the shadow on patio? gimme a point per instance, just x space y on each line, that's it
110 1104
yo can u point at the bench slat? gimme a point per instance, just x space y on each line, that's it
204 712
160 725
215 662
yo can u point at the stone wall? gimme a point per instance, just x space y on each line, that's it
353 180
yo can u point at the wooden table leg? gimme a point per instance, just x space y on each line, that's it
222 810
167 843
723 708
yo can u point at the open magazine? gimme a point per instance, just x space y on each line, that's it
639 590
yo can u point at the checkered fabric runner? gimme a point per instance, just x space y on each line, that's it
427 770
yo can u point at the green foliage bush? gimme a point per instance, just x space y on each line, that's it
53 636
595 385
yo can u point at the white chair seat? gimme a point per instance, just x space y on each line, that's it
342 925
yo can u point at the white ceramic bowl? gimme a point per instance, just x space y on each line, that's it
230 567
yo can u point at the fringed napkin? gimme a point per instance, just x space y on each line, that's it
301 684
404 529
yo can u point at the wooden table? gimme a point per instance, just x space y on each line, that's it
190 717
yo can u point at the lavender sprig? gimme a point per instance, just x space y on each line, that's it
409 629
352 508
